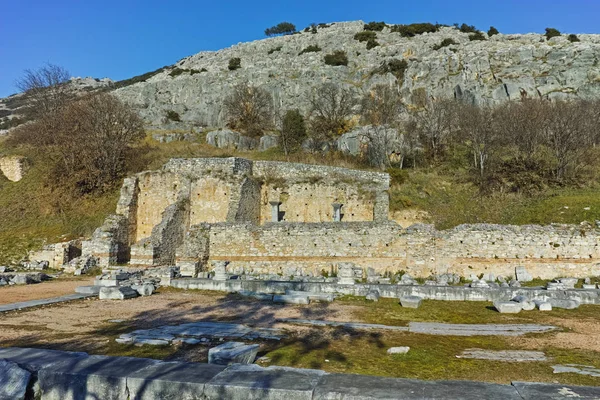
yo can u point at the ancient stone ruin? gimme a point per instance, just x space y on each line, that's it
302 220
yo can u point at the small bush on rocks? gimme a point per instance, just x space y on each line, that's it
173 116
283 28
464 28
551 32
393 66
492 31
235 63
274 49
445 43
375 26
573 38
365 36
310 49
477 36
415 29
372 43
336 58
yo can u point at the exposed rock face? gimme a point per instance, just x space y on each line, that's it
504 67
13 167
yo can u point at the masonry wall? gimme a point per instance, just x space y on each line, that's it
157 191
307 249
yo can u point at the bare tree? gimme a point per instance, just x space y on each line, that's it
88 140
477 127
250 109
331 107
45 90
435 125
381 105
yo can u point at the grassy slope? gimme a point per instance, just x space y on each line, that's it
31 212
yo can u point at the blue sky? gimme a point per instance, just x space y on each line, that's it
121 39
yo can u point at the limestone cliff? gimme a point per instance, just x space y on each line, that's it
490 71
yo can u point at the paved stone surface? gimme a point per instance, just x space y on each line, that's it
36 359
433 328
233 352
577 369
503 355
43 302
547 391
195 330
361 387
352 325
251 382
13 381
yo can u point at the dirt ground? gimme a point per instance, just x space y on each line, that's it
92 325
44 290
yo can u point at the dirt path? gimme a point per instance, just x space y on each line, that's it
44 290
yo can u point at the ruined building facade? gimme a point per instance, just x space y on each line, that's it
297 219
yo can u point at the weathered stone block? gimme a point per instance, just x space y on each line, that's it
568 304
291 299
117 293
398 350
13 381
411 301
508 307
522 275
373 295
87 289
543 305
526 304
233 353
145 289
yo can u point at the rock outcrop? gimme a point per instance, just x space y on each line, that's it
501 68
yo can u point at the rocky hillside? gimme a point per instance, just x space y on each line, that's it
490 71
500 68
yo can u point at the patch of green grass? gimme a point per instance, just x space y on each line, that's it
430 357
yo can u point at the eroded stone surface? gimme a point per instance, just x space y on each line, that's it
503 355
233 353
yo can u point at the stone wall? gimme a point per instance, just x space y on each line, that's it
308 249
199 210
13 167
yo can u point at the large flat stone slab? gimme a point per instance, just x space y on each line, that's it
351 325
36 359
233 353
577 369
503 355
548 391
43 302
13 381
251 382
434 328
93 377
362 387
291 299
164 335
171 381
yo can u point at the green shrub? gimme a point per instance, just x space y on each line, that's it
464 28
195 71
176 72
173 116
274 49
235 63
445 43
372 43
313 48
136 79
551 32
293 131
393 66
375 26
492 31
415 29
397 176
573 38
283 28
336 58
477 36
365 36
